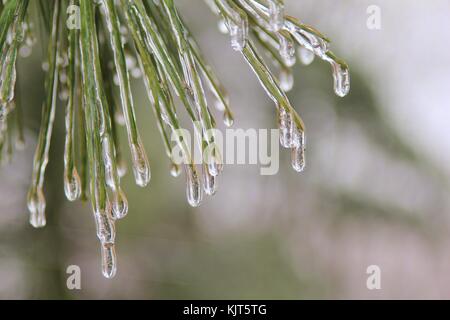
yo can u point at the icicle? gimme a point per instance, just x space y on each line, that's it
119 207
141 168
298 154
72 185
287 128
175 170
228 118
306 56
209 182
287 48
72 181
341 78
193 186
109 260
36 206
286 80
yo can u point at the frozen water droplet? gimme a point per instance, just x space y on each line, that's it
106 232
306 56
298 155
119 205
36 206
72 185
341 76
109 260
121 168
222 26
141 168
286 80
175 170
228 118
193 186
209 182
287 48
287 128
214 162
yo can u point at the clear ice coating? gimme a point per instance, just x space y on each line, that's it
286 80
194 192
214 163
209 182
119 205
341 77
8 75
72 185
109 260
141 168
228 119
287 128
36 206
276 14
287 48
298 154
175 170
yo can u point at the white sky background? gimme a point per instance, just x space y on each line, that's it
409 60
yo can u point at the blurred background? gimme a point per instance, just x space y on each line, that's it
375 191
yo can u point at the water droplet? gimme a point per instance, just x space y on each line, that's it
141 168
193 186
119 205
306 56
286 80
109 260
36 206
175 170
72 185
228 118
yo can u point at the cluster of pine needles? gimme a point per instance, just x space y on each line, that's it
94 48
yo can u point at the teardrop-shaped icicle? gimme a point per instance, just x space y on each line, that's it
119 205
228 118
8 75
286 80
193 186
106 231
341 76
36 206
72 185
214 162
298 155
121 168
306 56
209 182
287 128
109 260
175 170
141 168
